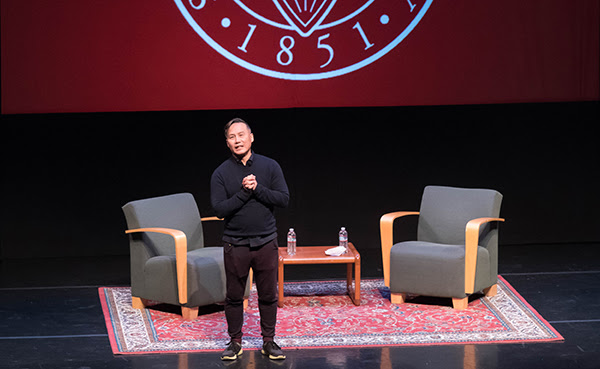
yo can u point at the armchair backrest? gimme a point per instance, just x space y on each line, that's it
445 212
178 211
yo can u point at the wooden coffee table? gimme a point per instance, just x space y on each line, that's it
316 255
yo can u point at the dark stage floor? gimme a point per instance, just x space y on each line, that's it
50 317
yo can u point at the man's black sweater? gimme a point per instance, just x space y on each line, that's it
248 214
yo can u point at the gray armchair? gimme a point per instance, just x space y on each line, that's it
169 262
456 252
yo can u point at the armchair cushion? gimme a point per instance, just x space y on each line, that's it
435 269
206 277
178 211
445 211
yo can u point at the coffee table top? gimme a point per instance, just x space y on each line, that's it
316 255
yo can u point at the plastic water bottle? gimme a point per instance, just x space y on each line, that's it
291 242
343 237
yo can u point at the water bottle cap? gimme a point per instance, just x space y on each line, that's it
343 228
291 229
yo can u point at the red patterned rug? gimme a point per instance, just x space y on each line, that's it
320 314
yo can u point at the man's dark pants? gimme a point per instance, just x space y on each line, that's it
263 260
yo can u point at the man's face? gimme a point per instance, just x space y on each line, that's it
239 139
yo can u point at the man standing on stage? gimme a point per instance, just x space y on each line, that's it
244 191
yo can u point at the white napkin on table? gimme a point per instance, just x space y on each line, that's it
336 251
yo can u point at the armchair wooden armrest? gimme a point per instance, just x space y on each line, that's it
205 219
386 227
471 243
180 257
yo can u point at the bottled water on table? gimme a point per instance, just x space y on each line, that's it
343 237
291 242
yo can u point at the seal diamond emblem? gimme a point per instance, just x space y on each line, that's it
304 15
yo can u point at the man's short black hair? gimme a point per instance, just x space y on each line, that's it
236 120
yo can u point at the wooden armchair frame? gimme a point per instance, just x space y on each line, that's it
188 313
386 225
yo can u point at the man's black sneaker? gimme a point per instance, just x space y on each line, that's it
232 351
271 349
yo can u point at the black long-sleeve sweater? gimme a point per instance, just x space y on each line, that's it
248 214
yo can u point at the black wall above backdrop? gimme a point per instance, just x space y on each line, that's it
66 176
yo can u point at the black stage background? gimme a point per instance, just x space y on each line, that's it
66 176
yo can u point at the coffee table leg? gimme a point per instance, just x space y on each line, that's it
353 293
349 281
357 282
280 282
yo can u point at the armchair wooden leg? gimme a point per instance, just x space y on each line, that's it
460 304
183 361
138 302
491 291
397 298
246 303
189 313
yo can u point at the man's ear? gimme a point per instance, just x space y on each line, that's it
251 137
